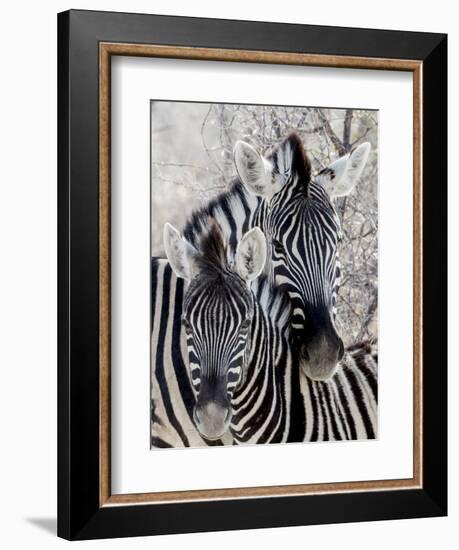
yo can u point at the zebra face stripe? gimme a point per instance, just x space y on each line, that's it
305 239
217 319
304 229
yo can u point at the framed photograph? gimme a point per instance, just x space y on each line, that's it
252 275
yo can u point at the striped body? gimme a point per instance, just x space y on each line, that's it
346 406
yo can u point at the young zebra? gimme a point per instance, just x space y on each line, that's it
172 395
298 205
242 367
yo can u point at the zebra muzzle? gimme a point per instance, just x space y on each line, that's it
212 419
320 359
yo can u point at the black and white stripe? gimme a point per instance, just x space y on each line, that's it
346 406
302 229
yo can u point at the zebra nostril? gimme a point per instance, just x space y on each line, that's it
305 354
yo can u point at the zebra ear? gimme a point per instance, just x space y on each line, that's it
180 253
266 176
254 171
251 254
341 176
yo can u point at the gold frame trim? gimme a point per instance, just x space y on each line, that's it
106 51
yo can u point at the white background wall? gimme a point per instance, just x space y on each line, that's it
28 270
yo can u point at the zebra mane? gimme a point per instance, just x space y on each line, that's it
236 204
290 159
211 258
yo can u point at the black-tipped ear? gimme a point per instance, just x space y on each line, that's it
290 159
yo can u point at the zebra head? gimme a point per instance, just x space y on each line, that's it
217 315
298 217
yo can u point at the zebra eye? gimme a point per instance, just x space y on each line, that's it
186 325
278 246
245 325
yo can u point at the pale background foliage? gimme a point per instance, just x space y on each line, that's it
192 162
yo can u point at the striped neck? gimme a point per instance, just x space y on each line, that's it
261 402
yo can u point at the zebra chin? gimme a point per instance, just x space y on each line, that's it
320 372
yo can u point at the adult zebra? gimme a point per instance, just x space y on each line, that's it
276 193
242 367
300 221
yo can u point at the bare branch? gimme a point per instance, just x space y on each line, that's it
347 128
339 147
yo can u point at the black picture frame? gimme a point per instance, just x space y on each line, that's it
80 515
